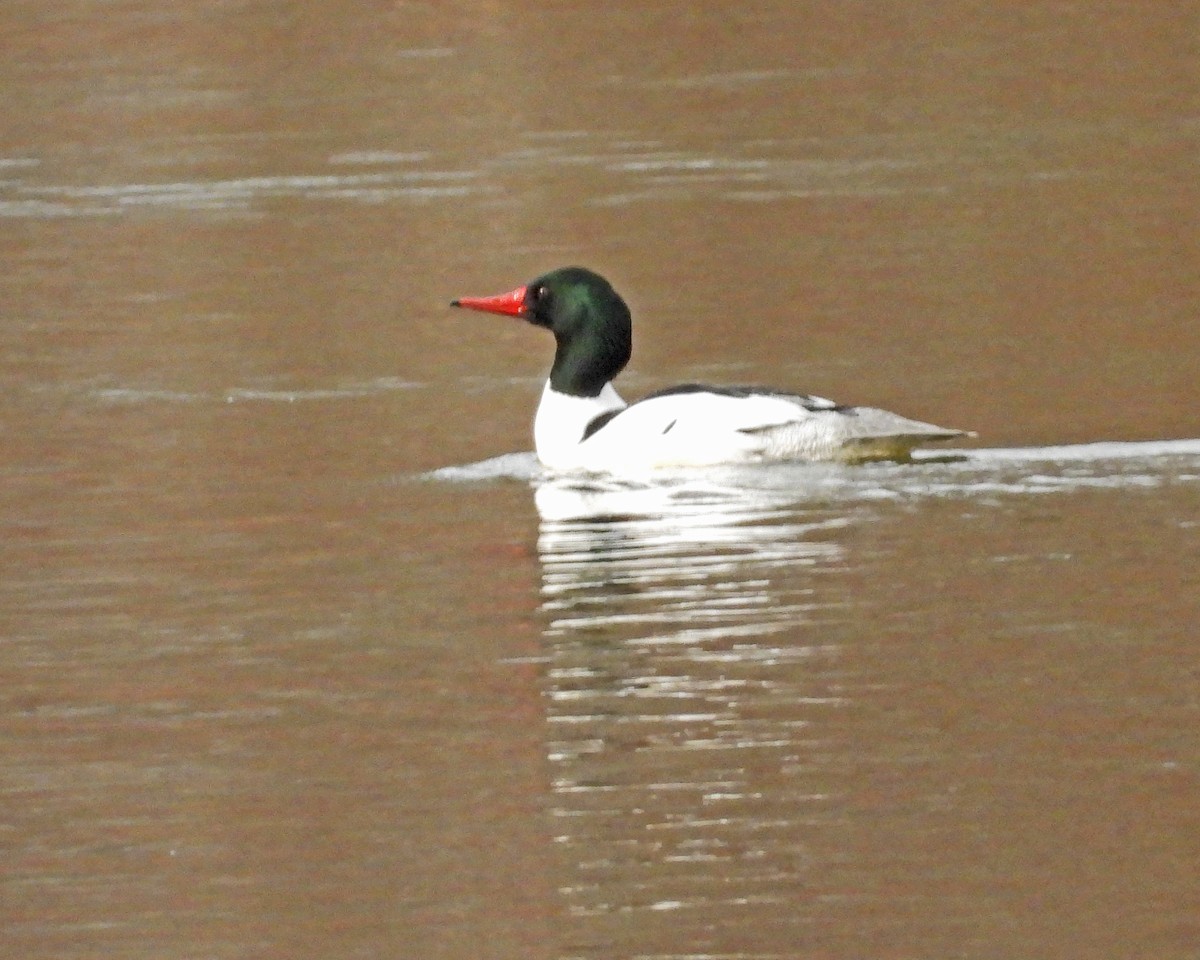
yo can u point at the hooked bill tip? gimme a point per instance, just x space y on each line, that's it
511 304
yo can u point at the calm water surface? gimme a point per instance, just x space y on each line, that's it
303 657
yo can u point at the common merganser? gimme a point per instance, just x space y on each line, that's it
583 424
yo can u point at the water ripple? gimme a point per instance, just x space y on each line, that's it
620 167
33 200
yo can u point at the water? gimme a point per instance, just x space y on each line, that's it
304 656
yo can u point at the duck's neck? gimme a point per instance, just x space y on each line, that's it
586 362
562 419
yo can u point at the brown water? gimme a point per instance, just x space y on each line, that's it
269 690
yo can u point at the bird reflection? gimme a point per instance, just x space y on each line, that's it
690 667
673 563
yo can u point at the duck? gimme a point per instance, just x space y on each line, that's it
583 425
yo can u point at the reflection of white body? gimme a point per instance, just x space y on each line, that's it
686 670
675 561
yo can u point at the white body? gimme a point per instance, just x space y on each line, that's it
699 428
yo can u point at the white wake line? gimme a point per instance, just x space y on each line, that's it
1074 453
524 466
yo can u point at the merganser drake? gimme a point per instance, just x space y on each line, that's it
583 424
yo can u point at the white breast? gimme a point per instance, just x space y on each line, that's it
561 421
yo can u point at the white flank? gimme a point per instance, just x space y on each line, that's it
704 429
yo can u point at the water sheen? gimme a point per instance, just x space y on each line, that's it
303 654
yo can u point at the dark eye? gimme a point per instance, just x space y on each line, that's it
536 300
536 307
